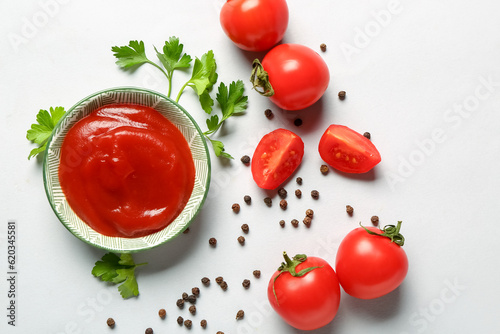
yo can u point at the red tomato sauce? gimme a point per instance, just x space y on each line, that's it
126 170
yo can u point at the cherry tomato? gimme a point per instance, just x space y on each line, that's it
305 292
254 25
371 265
293 76
276 157
348 151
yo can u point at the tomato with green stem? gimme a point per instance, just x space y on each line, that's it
347 150
276 157
371 262
293 76
305 292
254 25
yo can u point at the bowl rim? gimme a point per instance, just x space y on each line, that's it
206 184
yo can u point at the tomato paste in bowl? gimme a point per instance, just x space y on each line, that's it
126 169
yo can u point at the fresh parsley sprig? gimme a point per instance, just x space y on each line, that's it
203 78
118 270
40 132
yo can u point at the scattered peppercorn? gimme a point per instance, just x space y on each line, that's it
192 309
349 209
162 313
111 322
247 199
191 299
297 122
256 273
236 208
299 180
205 281
295 222
223 285
282 192
324 169
241 240
322 46
245 159
149 331
180 320
240 314
307 221
298 193
315 194
268 113
309 213
185 296
180 303
188 323
195 291
367 135
283 204
212 242
203 323
268 201
245 228
282 223
375 220
219 279
219 332
246 283
186 231
342 95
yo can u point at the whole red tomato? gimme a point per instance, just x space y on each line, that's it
347 150
293 76
305 292
370 262
276 157
254 25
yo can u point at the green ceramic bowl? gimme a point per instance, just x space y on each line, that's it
173 112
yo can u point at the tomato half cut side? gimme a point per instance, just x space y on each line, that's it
347 150
276 157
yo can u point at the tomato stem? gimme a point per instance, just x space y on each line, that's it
391 232
260 79
290 266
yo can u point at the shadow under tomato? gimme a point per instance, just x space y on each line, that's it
368 176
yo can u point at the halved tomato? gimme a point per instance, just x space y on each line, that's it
276 157
347 150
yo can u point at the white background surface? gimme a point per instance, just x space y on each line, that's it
405 81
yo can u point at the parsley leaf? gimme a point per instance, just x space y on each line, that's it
114 269
172 58
132 55
40 133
